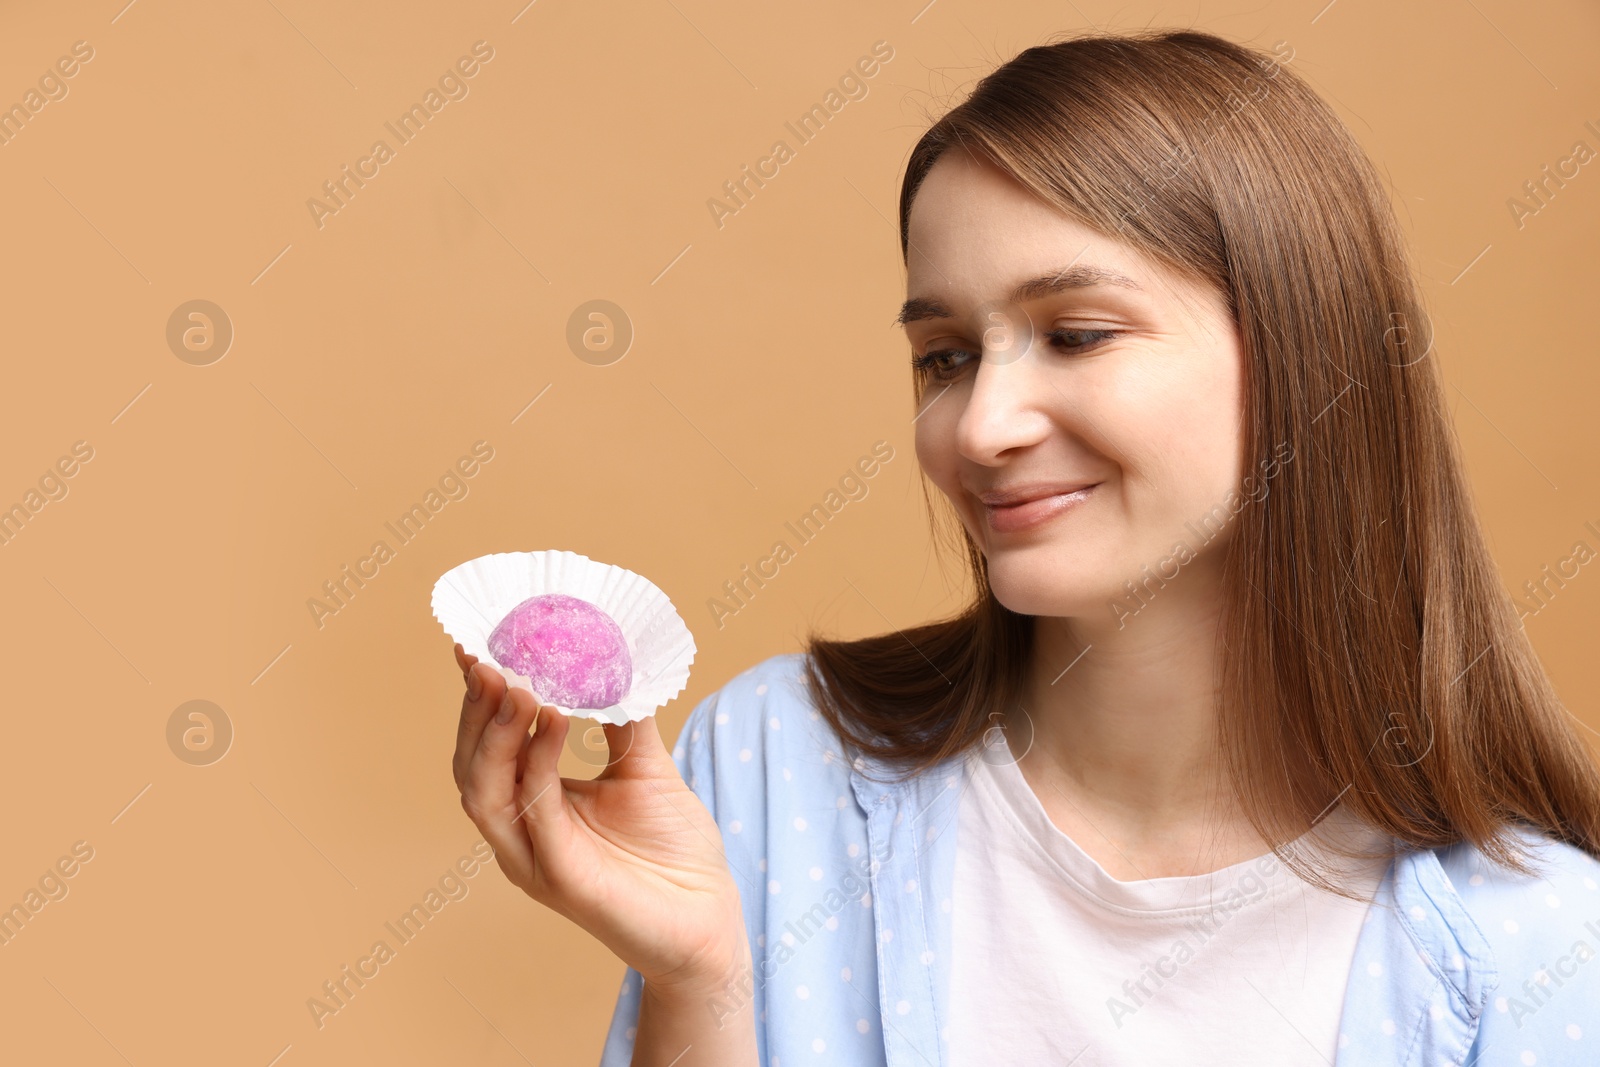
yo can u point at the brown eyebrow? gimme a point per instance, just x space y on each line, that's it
1072 277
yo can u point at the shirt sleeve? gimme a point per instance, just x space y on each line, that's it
692 755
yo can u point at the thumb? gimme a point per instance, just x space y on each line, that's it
637 751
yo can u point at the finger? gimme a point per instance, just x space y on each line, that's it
488 782
522 757
540 800
491 775
485 690
508 837
463 660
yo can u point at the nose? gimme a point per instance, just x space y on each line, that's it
1005 409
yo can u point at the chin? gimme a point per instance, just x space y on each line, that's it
1029 588
1068 576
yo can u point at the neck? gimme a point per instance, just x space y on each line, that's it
1124 739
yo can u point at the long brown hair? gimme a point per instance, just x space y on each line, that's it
1368 650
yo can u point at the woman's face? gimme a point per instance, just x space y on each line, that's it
1120 420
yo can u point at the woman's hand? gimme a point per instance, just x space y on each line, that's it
632 856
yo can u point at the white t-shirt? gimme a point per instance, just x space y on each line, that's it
1056 962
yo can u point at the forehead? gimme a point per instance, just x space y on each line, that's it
973 230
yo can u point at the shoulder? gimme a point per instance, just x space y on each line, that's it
746 718
1543 929
1559 897
759 732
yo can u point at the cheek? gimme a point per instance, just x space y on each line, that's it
1178 436
938 454
1196 447
1217 425
935 445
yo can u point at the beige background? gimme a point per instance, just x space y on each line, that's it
372 352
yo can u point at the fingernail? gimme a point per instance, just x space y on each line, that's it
474 683
508 708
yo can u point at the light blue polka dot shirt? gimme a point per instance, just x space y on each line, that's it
846 877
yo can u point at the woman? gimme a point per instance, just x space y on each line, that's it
1238 754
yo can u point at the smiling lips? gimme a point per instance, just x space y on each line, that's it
1025 506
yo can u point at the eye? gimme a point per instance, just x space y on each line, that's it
1073 339
933 364
945 364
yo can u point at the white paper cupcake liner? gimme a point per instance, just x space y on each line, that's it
469 601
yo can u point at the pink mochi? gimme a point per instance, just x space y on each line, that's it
573 653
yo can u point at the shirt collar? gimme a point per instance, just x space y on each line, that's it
1422 974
